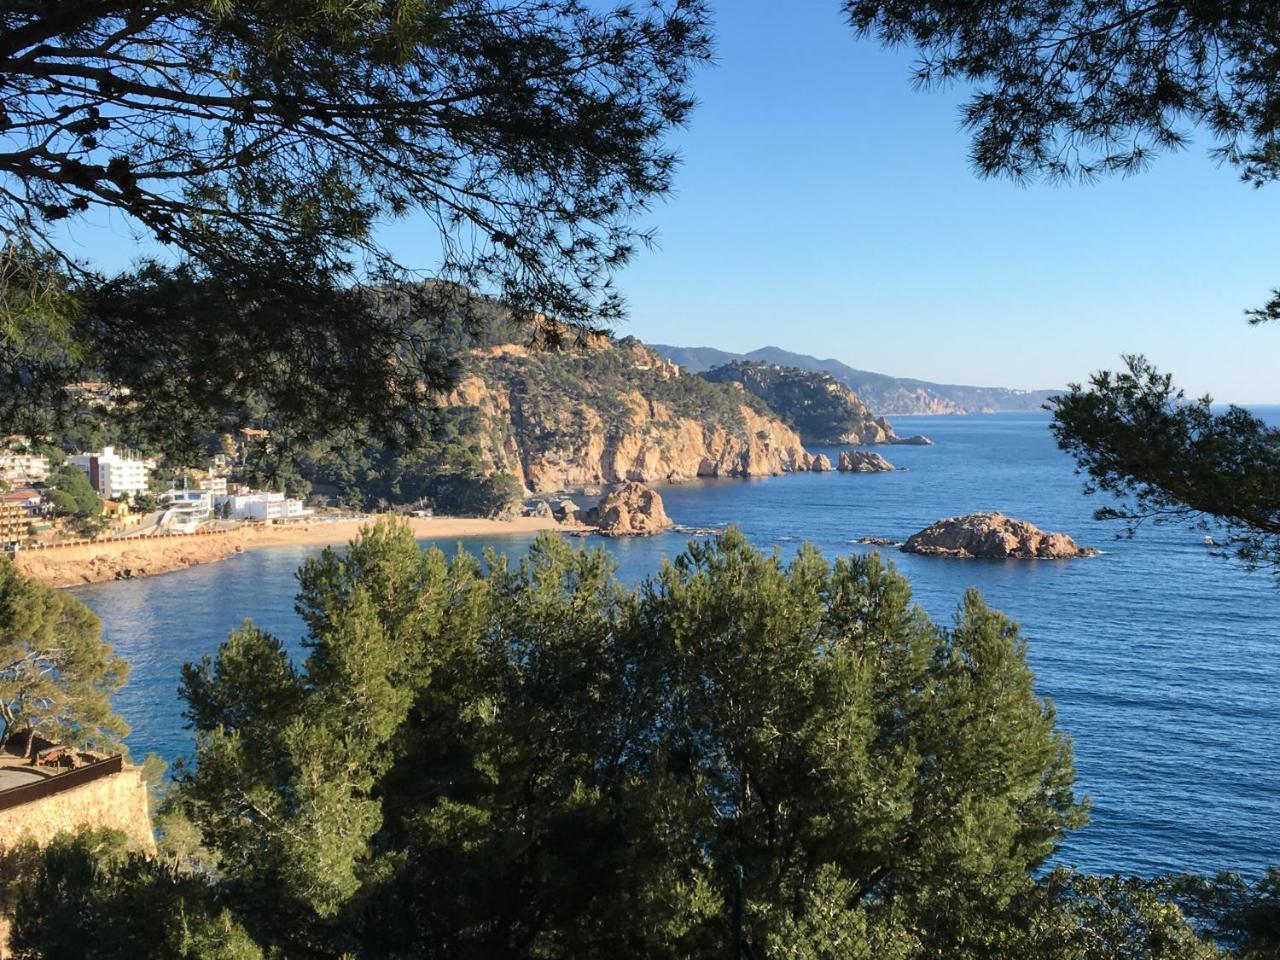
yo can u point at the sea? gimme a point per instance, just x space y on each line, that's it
1163 660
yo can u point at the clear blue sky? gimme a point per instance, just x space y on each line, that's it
825 206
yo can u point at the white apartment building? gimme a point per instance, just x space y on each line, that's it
216 486
263 505
113 476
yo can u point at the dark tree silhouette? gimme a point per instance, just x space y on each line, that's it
258 143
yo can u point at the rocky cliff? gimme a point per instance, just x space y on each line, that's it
820 408
558 420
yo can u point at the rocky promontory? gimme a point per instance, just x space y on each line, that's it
861 461
629 511
578 418
993 536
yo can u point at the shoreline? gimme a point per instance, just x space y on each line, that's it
103 561
424 528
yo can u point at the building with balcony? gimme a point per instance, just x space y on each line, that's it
185 510
113 476
20 466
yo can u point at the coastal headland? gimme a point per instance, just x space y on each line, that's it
124 559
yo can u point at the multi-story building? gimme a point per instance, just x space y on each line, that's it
19 465
262 505
185 510
113 476
30 500
216 486
14 522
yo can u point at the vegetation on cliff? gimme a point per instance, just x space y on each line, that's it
550 419
815 404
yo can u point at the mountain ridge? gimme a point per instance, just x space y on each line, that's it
884 394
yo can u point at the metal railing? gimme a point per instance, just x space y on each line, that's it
48 787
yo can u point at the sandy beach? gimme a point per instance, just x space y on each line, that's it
435 528
126 559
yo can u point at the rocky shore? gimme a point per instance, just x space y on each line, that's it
125 559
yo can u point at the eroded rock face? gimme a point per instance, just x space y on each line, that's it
993 536
640 439
860 461
821 464
631 510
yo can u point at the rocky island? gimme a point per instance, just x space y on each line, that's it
629 511
993 536
862 461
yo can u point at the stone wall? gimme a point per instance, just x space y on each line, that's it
117 801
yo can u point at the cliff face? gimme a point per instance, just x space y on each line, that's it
821 408
614 413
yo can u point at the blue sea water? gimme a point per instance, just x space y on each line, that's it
1163 660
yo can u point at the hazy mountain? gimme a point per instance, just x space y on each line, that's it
885 395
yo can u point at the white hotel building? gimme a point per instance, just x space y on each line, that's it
261 505
113 476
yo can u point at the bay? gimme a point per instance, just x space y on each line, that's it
1163 660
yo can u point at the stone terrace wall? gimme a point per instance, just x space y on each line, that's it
117 801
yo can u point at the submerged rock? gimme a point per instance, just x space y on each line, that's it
631 510
860 461
993 536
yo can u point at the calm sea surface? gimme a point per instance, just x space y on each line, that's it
1164 662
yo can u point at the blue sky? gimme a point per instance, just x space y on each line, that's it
825 206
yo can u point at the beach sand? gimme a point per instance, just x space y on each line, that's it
424 528
127 559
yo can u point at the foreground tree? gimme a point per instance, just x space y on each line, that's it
259 143
57 675
533 761
1166 459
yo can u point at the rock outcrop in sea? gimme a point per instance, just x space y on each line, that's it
992 536
862 461
629 511
821 464
915 440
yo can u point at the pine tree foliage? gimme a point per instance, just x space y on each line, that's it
57 674
1167 459
481 759
254 147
